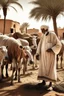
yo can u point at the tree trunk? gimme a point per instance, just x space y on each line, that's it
26 30
5 13
4 25
55 25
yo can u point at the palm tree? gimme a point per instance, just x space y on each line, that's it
24 27
47 10
5 4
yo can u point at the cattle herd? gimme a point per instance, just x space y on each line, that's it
17 50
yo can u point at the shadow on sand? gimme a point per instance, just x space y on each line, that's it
59 87
28 89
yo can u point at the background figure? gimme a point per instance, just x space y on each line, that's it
48 47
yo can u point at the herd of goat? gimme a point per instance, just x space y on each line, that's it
16 50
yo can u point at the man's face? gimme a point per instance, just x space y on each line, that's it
43 30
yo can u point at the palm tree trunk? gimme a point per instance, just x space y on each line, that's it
26 30
55 25
5 13
4 24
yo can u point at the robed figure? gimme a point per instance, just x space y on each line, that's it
48 47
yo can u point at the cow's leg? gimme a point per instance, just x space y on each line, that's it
35 60
14 67
61 60
24 66
33 63
12 76
0 73
57 61
7 70
2 68
15 78
18 74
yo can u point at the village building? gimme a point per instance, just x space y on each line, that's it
15 27
10 25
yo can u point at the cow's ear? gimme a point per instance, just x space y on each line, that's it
21 46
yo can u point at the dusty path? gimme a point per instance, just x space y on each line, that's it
27 87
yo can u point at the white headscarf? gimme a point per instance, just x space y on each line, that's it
44 27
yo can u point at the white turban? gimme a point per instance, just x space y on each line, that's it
44 27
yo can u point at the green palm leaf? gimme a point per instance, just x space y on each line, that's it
5 4
47 10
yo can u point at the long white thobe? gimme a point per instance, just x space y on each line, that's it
47 66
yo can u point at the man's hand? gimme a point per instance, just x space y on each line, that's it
37 56
49 50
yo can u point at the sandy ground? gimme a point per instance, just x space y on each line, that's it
27 87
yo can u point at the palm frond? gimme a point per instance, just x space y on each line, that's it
4 4
46 7
37 13
17 4
13 8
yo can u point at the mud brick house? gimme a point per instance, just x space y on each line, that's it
10 24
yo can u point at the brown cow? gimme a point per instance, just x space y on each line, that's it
30 39
15 53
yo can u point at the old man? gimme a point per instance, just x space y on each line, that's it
48 47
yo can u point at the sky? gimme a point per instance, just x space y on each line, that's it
23 16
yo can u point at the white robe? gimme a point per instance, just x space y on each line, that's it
47 66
